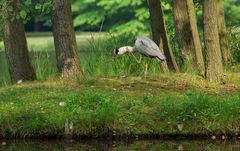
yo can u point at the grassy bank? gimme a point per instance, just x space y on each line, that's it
121 106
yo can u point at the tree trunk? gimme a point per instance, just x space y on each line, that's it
211 38
187 34
223 40
65 41
16 48
160 34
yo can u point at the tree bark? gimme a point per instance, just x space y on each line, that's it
65 41
187 34
16 48
211 38
223 39
160 35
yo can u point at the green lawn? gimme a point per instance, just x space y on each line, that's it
40 41
120 106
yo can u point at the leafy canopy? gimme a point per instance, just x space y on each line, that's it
118 16
132 16
123 16
26 9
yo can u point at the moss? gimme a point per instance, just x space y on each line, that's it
118 107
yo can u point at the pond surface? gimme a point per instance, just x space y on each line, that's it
153 145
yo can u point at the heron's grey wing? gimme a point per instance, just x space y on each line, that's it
149 48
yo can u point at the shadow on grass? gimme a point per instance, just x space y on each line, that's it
120 145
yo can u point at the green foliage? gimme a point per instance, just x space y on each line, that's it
118 16
234 39
35 111
26 9
122 16
232 12
132 16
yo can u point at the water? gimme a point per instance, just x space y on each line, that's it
120 146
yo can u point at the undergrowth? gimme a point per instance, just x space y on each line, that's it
98 59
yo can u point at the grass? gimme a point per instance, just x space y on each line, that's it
119 107
96 55
42 41
115 99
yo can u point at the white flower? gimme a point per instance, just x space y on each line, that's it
213 137
19 81
62 104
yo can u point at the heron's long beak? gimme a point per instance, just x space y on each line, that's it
116 51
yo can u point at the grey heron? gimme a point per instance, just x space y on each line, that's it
145 47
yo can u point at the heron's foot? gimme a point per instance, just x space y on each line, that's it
140 60
137 60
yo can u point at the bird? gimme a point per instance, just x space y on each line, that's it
146 47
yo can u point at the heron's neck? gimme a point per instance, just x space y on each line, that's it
126 49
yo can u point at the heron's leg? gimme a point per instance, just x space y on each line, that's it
138 61
146 70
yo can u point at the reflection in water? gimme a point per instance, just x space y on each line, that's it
120 146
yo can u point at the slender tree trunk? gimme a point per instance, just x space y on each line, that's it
223 40
65 41
187 34
160 34
213 53
16 48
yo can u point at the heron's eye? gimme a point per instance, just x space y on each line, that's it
116 51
